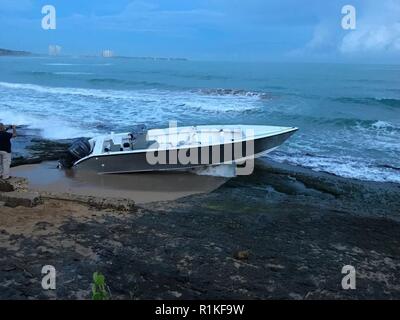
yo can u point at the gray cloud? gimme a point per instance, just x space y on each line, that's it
378 31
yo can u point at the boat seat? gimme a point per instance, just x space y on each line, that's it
141 143
110 146
115 147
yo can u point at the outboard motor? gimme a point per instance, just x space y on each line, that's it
78 150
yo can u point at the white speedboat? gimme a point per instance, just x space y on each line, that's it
173 149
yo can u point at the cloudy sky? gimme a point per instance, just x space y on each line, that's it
273 30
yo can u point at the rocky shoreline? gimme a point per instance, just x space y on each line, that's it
30 148
283 233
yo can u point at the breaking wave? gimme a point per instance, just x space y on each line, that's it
344 166
84 111
234 92
389 102
126 83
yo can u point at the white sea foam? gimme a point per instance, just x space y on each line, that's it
82 109
367 150
62 64
72 73
61 112
385 125
50 127
223 170
348 167
76 64
189 100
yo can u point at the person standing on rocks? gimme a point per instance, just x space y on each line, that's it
5 150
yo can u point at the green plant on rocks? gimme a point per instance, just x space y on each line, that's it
99 287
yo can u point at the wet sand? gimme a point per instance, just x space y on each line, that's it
141 188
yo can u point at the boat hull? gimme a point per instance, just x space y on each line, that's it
181 159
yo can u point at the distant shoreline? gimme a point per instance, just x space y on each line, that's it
7 52
17 53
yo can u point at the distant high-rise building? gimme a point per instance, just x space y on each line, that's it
107 54
54 50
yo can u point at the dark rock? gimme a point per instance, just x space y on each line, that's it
300 227
6 186
25 199
37 150
20 161
241 255
99 203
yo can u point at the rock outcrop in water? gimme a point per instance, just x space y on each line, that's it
29 148
41 150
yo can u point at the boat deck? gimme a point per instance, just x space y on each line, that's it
181 137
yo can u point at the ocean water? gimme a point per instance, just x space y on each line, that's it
348 115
